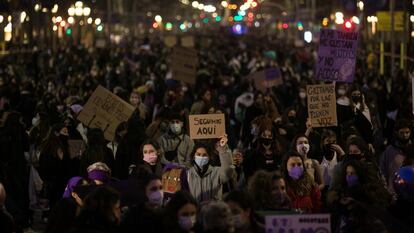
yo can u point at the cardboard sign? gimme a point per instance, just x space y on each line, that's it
184 64
309 223
170 41
336 55
105 111
76 148
207 126
322 105
187 41
267 78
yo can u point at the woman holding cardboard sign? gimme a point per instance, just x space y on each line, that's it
205 181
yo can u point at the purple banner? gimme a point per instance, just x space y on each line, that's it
336 55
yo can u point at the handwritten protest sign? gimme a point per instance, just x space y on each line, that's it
187 41
336 55
76 148
322 105
207 126
170 41
267 78
309 223
184 64
105 111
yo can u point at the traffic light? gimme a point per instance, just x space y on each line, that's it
348 24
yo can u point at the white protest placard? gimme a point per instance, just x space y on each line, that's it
105 110
184 64
207 126
322 105
298 223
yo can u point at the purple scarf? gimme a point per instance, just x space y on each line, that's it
99 175
71 184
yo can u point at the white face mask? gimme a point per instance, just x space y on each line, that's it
201 161
35 121
303 149
156 197
186 223
341 92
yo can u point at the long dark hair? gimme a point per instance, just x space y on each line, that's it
305 184
178 200
100 204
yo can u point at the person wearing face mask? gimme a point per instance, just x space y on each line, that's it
357 151
145 213
330 153
302 146
267 155
205 181
242 207
357 114
175 144
303 192
180 214
150 156
359 194
394 155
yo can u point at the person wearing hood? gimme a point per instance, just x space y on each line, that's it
393 156
176 145
205 181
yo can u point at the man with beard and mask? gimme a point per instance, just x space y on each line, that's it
175 144
393 156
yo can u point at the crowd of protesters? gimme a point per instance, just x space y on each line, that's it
361 172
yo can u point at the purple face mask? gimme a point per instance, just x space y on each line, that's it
351 180
296 172
71 184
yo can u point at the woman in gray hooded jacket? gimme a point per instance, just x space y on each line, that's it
205 181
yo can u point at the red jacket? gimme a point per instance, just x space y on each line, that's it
310 203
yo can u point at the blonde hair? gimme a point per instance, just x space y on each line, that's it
100 167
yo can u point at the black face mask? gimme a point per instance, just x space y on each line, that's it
291 118
328 153
266 141
356 99
403 141
357 157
